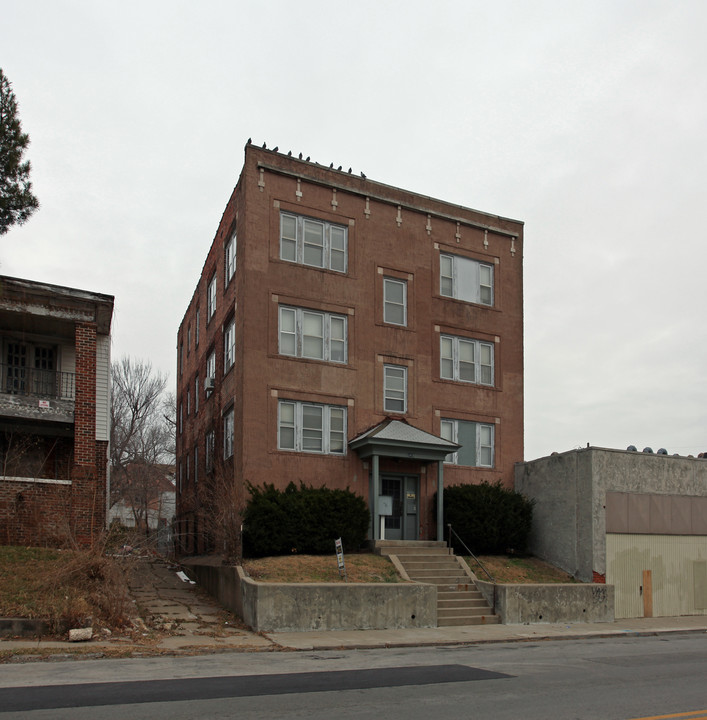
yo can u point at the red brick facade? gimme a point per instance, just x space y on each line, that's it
394 241
54 475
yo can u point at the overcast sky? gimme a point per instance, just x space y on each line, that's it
585 120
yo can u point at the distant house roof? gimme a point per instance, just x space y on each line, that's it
397 438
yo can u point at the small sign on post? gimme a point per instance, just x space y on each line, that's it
340 558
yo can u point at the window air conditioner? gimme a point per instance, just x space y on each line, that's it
209 383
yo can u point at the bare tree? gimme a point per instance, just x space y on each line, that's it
142 437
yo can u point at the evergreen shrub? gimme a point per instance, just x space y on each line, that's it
490 518
302 519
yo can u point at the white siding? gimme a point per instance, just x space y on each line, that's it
677 565
102 387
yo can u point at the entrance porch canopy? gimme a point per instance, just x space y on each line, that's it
398 439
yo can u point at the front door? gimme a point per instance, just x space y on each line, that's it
403 522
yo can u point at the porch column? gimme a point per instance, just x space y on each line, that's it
376 493
440 500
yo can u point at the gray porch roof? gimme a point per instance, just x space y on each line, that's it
397 438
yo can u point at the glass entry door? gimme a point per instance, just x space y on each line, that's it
402 523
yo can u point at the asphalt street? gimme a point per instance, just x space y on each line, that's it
620 678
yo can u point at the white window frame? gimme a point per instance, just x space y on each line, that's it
484 448
452 365
211 365
293 435
292 336
230 259
196 329
228 434
196 465
388 303
209 450
391 394
211 298
229 345
295 247
196 393
465 279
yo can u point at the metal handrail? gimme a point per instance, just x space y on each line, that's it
17 380
480 564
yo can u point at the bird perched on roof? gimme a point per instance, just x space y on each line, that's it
276 148
289 153
264 146
339 168
363 176
331 166
307 158
300 156
250 140
349 171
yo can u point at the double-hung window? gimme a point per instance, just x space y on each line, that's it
210 380
196 464
476 440
309 427
465 279
466 360
311 334
228 434
229 345
312 242
209 447
230 258
394 301
211 299
196 329
395 388
196 394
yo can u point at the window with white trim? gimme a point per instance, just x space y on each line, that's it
476 440
395 388
310 427
311 334
313 242
196 329
209 448
196 464
211 366
211 299
465 279
228 434
196 393
230 258
229 345
466 360
395 301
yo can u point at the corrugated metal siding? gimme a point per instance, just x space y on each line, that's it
102 387
675 562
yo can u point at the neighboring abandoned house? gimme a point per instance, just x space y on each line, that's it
54 412
350 334
145 496
637 521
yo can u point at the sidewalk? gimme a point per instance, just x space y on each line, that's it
176 617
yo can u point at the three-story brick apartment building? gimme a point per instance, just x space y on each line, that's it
54 412
348 333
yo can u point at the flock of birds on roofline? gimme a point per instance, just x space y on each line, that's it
307 159
662 451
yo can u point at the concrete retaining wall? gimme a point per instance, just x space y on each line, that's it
282 607
551 603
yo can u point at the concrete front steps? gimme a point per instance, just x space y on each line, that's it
459 602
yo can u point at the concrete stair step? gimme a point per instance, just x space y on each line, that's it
427 564
444 582
459 595
462 603
465 620
458 612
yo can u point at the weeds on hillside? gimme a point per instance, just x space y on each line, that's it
80 587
